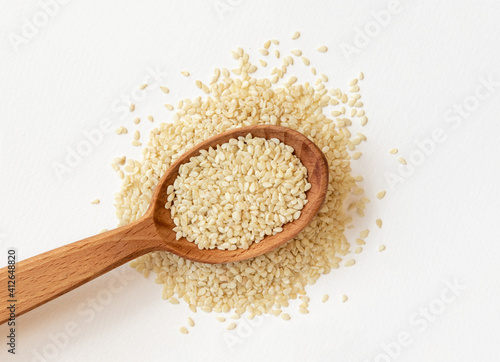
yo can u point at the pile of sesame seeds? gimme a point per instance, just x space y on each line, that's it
235 98
236 194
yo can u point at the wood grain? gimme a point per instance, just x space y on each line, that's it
51 274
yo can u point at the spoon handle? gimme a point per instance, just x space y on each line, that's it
46 276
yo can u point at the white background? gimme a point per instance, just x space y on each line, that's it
440 222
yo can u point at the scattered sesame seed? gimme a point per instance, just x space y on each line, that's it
379 223
121 130
131 108
325 298
183 330
402 161
165 90
190 322
344 298
381 195
360 242
95 201
221 319
364 234
231 326
297 52
185 73
295 35
393 151
285 316
150 118
381 248
322 49
137 120
350 262
143 86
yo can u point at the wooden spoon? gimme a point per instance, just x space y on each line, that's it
46 276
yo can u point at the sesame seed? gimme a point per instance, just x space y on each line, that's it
322 49
350 262
381 195
295 35
285 316
95 201
325 298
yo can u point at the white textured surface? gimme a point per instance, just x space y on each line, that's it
440 224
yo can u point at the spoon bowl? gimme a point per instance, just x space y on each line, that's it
53 273
317 174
